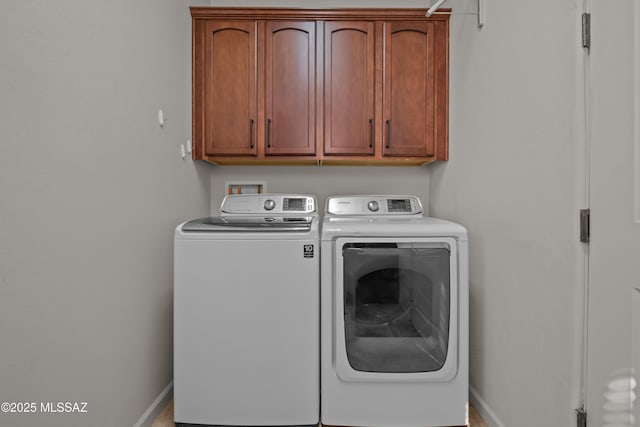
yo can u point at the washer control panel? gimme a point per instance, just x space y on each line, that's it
374 205
271 203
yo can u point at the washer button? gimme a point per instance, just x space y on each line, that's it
373 206
269 204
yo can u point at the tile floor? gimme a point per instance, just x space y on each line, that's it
165 419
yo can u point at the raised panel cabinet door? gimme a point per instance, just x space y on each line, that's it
290 88
349 88
230 96
409 89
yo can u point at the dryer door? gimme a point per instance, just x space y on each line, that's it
396 307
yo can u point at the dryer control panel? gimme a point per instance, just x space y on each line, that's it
374 205
272 204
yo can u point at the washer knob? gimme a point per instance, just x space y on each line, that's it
269 204
373 206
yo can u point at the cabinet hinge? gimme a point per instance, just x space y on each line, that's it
586 31
585 220
581 417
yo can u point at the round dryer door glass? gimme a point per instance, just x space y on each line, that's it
396 307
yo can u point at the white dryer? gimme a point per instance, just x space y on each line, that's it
246 314
394 310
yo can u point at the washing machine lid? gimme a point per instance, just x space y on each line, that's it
238 223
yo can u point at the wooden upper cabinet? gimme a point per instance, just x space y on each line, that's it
290 88
349 122
320 86
228 86
409 89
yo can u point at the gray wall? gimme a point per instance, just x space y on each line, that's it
90 191
512 181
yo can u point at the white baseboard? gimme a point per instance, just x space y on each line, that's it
156 407
484 409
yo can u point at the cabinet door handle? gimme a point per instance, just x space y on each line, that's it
388 133
370 133
250 133
268 133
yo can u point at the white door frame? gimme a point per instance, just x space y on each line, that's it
612 147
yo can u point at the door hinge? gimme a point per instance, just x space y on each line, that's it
585 220
581 417
586 31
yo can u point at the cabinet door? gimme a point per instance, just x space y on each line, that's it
349 88
409 89
290 50
230 96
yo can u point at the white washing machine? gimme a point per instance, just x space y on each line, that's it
394 310
246 314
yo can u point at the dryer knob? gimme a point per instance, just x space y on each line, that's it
373 206
269 204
